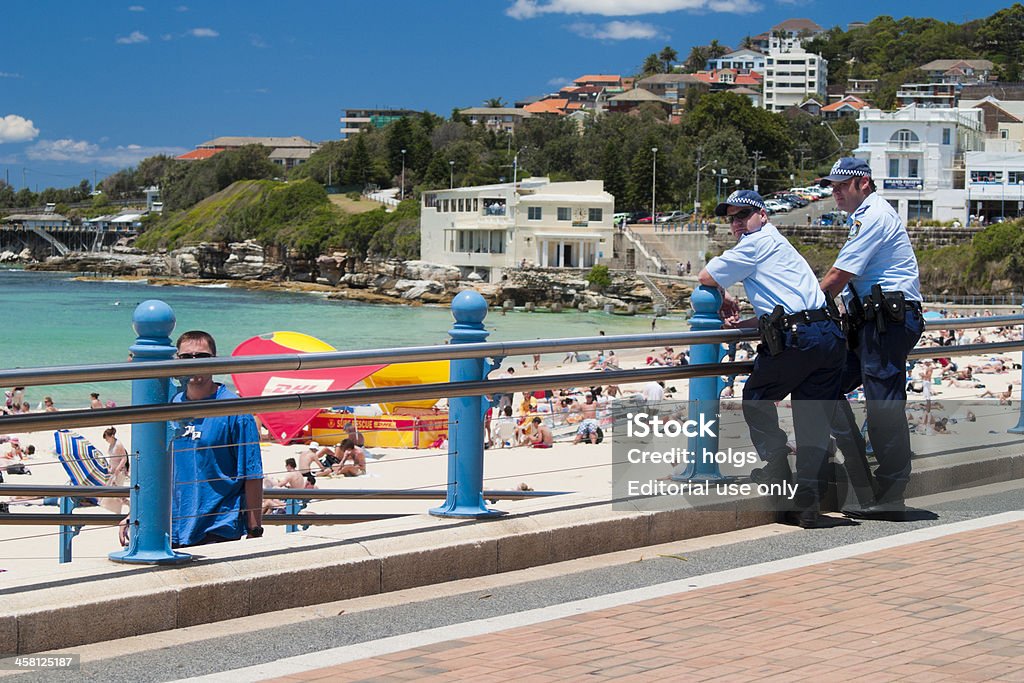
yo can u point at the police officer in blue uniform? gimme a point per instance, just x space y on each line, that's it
878 270
801 354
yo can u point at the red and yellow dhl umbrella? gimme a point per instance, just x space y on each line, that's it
284 426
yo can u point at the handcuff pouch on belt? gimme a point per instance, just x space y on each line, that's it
770 327
884 308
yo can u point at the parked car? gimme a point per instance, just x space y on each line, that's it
638 216
775 207
830 218
673 216
620 219
796 200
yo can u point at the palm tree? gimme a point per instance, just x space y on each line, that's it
668 55
494 103
652 65
697 59
716 50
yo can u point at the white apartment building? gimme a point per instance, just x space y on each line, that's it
917 160
489 227
995 185
791 75
744 61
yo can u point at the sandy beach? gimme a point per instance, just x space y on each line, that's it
32 550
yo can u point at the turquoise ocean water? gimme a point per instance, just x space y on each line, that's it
52 319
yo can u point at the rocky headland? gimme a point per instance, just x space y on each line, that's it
341 276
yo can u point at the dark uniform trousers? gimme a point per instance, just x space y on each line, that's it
810 370
880 364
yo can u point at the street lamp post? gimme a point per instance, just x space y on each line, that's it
654 184
401 192
451 174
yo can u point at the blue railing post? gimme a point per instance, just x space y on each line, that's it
67 531
1019 429
292 506
465 416
152 481
704 391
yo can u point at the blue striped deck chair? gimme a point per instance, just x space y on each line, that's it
85 464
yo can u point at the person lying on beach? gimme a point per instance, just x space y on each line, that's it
1003 396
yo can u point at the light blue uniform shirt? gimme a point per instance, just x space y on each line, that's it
878 251
213 458
772 271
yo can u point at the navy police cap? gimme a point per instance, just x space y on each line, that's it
741 198
844 169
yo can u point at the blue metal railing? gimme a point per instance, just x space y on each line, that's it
472 358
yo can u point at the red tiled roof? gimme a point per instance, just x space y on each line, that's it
552 106
599 78
848 101
197 154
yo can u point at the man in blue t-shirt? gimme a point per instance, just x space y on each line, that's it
218 470
877 267
803 357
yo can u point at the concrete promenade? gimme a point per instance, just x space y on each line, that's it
942 603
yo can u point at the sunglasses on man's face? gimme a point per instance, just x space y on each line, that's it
190 356
740 216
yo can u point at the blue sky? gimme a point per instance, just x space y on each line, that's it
97 86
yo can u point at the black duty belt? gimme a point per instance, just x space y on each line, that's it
809 316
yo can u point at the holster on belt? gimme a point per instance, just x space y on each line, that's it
874 308
770 328
855 316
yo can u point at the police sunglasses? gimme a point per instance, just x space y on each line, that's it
191 356
740 215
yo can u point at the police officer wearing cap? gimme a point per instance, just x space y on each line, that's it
802 350
878 270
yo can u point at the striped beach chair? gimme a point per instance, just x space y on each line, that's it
85 464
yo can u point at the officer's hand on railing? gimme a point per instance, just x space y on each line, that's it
730 309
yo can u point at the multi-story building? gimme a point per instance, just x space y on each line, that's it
499 119
672 87
942 95
1003 120
917 158
791 31
995 185
743 61
486 228
360 120
791 75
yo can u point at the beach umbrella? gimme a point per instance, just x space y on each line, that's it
283 427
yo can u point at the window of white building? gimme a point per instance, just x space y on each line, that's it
595 215
564 213
534 213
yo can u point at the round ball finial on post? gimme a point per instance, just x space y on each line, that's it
706 301
469 307
153 318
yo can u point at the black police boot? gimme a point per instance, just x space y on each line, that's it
775 470
888 506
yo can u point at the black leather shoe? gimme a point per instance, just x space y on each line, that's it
812 519
892 511
773 472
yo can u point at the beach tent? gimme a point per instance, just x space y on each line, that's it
284 426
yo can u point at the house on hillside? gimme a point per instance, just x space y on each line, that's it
360 120
849 106
486 228
499 119
626 102
288 152
958 70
